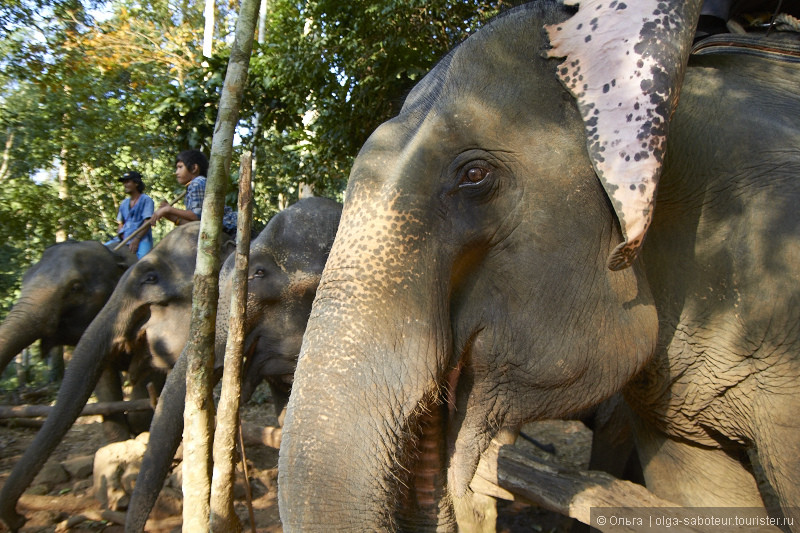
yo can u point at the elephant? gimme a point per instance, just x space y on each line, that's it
504 255
142 329
285 264
60 296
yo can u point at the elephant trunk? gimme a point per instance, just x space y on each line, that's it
30 319
368 377
80 378
166 432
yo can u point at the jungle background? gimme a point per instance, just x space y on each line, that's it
91 88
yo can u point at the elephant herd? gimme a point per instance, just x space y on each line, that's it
530 236
142 328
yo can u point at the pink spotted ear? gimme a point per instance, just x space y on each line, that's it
624 65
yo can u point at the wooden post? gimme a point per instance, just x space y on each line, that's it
223 517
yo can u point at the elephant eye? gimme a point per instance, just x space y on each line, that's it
473 175
76 286
259 273
151 278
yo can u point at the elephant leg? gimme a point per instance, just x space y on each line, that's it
280 397
166 432
139 421
778 450
612 440
55 361
694 476
109 389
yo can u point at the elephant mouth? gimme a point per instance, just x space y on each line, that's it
261 358
426 498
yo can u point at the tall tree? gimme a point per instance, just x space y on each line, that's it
208 34
199 350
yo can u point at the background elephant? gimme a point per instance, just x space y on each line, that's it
142 330
286 261
469 286
60 296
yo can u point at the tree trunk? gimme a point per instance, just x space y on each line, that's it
198 414
223 517
208 32
63 192
7 152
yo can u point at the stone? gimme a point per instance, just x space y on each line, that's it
79 467
50 475
115 469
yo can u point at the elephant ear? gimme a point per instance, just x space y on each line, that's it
624 65
124 258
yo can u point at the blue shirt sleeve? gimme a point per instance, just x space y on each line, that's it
148 206
122 212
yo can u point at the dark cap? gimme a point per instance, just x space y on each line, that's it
131 175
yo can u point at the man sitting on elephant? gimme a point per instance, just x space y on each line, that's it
133 212
191 167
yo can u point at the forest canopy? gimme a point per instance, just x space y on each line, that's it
92 88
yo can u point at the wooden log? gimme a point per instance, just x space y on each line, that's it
507 472
268 436
115 517
100 408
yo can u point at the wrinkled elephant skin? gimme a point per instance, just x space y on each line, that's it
469 282
285 265
141 330
60 296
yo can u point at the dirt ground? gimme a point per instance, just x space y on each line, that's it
47 507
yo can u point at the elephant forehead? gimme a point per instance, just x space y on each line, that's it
300 282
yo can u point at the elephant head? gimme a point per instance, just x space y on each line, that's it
469 286
285 265
60 296
141 329
286 262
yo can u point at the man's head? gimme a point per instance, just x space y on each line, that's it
132 179
189 164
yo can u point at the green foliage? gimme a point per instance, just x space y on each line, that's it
92 99
329 73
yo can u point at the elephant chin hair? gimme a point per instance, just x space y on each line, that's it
425 497
422 472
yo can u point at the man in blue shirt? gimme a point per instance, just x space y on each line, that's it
133 212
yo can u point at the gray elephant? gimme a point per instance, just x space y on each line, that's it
478 281
60 296
286 261
141 330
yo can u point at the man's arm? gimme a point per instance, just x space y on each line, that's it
133 244
173 214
